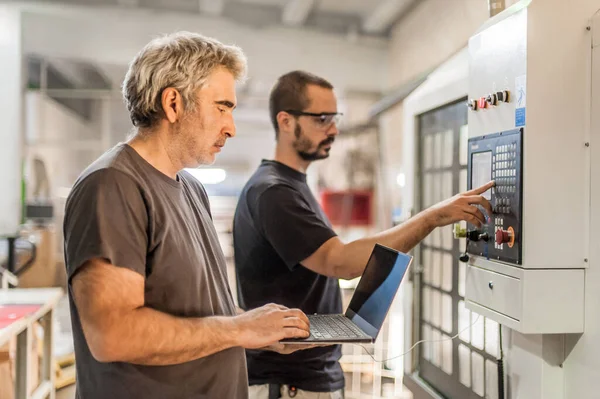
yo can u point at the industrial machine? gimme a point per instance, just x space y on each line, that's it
526 266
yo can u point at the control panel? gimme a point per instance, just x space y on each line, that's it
498 157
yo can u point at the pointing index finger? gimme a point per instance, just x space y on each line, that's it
481 189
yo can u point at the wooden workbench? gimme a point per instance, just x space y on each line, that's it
47 300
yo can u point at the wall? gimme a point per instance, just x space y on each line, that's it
430 34
433 31
64 140
10 119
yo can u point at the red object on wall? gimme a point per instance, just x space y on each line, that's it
348 208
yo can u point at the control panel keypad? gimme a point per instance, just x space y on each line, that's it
504 172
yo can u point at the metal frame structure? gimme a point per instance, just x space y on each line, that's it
23 330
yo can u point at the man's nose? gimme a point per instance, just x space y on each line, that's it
230 128
333 130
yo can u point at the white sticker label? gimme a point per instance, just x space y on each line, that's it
521 91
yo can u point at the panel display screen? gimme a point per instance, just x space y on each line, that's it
481 171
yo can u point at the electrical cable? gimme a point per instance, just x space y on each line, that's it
420 342
500 363
500 338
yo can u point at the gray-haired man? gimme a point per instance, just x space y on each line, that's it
152 313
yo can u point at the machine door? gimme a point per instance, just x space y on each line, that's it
465 367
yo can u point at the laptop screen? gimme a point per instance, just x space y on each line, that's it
377 288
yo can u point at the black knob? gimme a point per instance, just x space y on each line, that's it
492 99
476 235
484 237
502 96
491 285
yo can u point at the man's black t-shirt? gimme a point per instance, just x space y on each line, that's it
278 223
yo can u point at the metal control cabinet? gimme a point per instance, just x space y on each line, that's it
527 264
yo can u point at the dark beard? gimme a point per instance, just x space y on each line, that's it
303 144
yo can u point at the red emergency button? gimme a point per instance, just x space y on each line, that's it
482 103
505 237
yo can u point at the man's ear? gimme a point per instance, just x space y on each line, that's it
172 104
284 120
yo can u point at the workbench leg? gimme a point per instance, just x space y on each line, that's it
48 372
22 364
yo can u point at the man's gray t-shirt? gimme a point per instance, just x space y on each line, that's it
124 210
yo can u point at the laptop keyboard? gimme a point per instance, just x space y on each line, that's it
333 326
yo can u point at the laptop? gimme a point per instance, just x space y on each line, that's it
369 305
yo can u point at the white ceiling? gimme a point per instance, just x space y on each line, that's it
347 7
274 3
361 8
331 16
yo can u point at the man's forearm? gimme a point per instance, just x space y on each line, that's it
348 261
148 337
118 327
354 256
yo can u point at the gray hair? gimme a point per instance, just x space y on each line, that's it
181 60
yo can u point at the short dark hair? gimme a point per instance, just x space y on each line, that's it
289 93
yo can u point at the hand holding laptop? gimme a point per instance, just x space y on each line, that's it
286 349
269 324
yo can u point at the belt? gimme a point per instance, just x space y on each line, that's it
275 391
